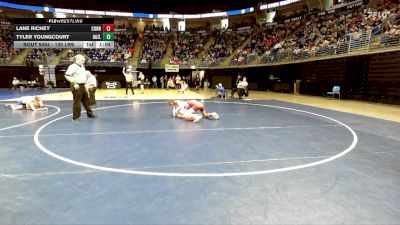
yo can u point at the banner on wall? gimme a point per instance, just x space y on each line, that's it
171 68
293 19
341 7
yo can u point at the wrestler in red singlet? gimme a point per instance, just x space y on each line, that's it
195 105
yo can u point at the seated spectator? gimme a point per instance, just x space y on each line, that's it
394 31
15 83
220 91
243 88
50 84
39 83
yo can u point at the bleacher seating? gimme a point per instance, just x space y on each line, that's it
7 51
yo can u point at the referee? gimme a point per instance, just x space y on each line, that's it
129 80
76 75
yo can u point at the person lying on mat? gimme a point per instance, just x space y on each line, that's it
187 115
186 109
33 103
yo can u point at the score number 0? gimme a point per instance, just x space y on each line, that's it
108 27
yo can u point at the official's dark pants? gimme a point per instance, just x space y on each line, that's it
242 92
80 96
92 96
129 85
234 89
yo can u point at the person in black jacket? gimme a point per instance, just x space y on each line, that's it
235 89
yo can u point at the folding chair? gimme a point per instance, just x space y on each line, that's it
335 90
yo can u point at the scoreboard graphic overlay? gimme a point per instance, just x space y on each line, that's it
64 33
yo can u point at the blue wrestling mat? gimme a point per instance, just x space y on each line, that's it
262 162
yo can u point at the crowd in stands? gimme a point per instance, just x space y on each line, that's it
7 51
301 35
125 41
225 42
154 47
41 56
121 53
322 34
98 55
153 28
187 46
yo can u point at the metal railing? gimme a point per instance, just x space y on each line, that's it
355 44
94 63
216 62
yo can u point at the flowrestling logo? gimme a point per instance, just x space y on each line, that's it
111 85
